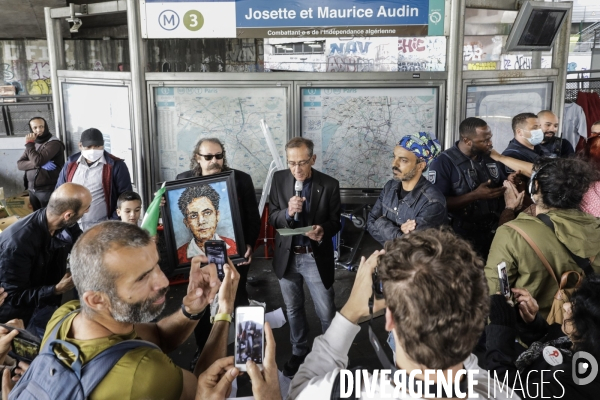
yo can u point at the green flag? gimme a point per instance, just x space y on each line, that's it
150 221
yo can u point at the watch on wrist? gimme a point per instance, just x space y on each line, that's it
193 317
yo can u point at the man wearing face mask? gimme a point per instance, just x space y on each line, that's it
42 160
33 257
409 201
553 146
472 182
528 136
104 175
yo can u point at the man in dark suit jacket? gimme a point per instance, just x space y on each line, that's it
209 158
307 257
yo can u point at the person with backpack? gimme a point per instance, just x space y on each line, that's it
104 346
538 250
551 348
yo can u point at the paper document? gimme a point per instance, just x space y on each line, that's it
275 318
292 232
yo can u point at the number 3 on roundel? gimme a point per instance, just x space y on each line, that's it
193 20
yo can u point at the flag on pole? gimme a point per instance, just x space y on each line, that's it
150 221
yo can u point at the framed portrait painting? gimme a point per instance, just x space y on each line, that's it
200 209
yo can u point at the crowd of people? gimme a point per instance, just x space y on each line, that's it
446 220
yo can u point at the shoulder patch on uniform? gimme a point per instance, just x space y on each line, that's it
432 176
493 168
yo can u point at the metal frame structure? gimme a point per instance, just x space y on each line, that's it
451 83
101 78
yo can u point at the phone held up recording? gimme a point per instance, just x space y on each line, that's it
216 252
503 278
249 336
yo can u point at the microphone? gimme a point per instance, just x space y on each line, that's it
298 189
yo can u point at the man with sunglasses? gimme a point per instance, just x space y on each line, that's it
472 183
209 158
307 257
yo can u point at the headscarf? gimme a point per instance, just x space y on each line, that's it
422 145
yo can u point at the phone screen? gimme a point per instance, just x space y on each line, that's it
24 349
216 252
503 277
249 336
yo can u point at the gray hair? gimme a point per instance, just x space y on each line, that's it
89 271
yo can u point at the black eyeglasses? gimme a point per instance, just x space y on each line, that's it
209 157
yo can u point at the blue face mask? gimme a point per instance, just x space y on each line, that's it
536 137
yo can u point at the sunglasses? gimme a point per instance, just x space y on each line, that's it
209 157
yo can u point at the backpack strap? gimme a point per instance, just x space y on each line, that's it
536 249
92 373
583 263
96 369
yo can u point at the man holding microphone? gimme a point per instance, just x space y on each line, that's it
304 197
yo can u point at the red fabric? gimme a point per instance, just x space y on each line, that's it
590 103
182 251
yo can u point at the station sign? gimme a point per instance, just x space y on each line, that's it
164 19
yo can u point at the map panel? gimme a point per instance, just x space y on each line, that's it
186 114
355 129
498 104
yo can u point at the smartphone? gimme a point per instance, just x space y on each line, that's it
249 336
25 346
216 252
503 277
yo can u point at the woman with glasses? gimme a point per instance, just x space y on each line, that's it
561 360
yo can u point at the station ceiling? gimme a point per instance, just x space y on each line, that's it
24 19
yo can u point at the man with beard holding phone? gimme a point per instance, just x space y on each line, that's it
408 201
472 183
33 257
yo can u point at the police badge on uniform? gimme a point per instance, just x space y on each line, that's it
493 169
432 175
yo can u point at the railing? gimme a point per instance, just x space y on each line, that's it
16 111
582 81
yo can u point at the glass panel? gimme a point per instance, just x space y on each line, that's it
498 104
102 107
184 114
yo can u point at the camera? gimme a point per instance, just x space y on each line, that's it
377 286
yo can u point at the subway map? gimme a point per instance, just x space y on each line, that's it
355 129
184 115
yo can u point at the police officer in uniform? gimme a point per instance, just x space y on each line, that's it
528 136
472 183
551 145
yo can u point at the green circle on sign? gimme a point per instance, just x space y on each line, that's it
193 20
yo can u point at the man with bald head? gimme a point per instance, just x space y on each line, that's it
551 145
33 257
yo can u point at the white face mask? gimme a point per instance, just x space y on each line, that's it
536 137
92 154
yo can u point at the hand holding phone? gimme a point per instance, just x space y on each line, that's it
503 277
25 346
249 336
216 252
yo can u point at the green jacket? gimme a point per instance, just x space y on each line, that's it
579 231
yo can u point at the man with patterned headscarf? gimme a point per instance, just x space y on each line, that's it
409 201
